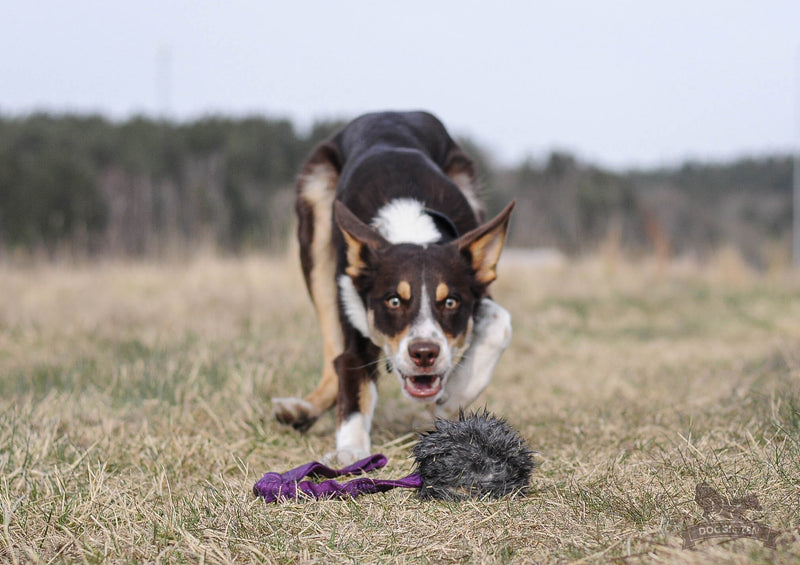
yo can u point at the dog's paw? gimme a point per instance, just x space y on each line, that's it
344 457
294 412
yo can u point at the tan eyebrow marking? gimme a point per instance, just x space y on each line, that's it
442 290
404 290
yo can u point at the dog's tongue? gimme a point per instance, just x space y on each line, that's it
423 386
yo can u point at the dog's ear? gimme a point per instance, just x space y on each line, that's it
362 241
484 244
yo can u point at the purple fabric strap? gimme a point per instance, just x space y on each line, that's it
273 487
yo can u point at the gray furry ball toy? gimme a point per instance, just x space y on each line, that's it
476 456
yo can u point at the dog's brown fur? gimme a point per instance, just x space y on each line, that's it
345 185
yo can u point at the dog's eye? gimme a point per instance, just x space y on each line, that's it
451 303
393 302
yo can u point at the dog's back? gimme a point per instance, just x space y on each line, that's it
391 155
410 130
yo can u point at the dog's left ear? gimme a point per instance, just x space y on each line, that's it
484 244
362 241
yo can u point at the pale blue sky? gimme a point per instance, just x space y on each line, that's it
619 83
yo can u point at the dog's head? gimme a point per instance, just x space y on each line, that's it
417 301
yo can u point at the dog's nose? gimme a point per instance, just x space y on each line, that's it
423 353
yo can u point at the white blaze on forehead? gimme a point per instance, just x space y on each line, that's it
404 220
425 326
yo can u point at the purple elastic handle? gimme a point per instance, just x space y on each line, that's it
273 487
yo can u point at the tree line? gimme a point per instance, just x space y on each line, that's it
144 187
694 208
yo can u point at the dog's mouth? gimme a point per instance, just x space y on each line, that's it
422 386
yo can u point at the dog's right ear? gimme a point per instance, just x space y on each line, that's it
362 241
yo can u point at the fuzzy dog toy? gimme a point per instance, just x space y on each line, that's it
473 457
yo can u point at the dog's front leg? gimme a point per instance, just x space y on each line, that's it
356 405
490 337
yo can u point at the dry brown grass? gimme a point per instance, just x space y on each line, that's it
135 417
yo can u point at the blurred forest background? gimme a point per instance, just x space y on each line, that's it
85 186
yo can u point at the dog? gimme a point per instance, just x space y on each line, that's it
397 261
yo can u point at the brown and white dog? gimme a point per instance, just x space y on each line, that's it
397 263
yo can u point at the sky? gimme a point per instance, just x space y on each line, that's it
619 84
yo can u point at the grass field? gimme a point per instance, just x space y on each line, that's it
135 417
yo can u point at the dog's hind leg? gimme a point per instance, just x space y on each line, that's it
316 190
490 338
